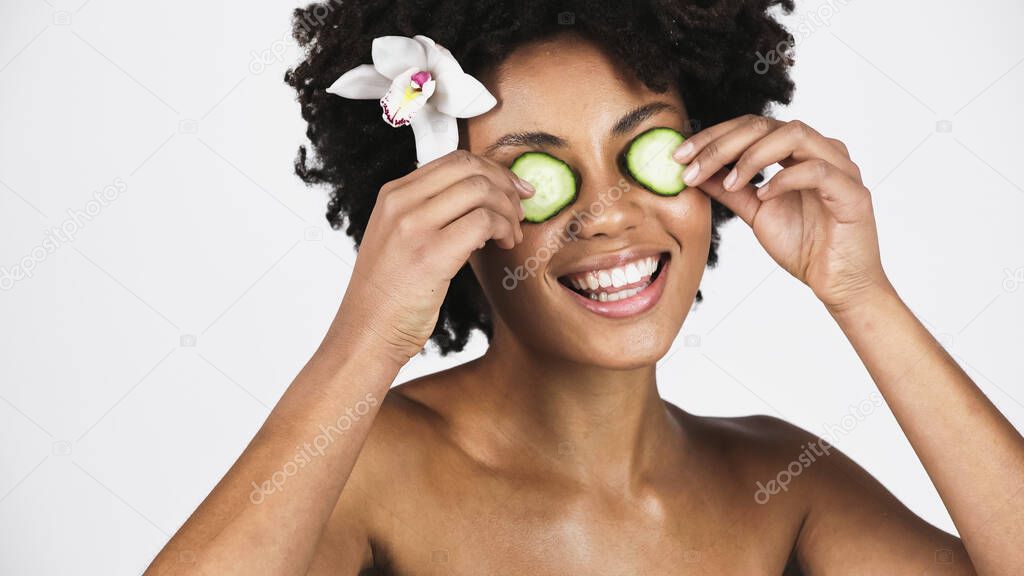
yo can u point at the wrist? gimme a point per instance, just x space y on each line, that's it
880 295
352 338
344 360
365 327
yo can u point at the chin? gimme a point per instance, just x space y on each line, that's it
583 337
628 349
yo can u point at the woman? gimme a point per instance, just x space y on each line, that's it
553 452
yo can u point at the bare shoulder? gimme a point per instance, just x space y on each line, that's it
409 428
849 518
758 447
759 435
403 444
421 437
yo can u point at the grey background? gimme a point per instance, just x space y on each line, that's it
143 353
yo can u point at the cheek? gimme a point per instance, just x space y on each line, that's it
687 218
504 272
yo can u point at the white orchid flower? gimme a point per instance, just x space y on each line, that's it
419 83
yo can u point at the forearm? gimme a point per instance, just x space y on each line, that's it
972 453
267 513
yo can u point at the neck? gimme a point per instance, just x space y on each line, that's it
592 421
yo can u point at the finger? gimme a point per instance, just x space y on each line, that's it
726 149
694 144
461 166
848 201
743 201
840 145
455 165
795 141
441 173
468 233
419 172
473 192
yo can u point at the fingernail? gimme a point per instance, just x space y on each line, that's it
730 179
522 212
691 173
683 151
763 190
526 186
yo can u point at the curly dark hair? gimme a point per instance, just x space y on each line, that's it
707 49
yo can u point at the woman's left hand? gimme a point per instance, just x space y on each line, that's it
814 217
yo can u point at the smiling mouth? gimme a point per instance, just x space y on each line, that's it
616 283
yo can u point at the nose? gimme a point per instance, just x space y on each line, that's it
606 207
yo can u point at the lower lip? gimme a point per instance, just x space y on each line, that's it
632 306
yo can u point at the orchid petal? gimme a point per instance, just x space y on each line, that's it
419 83
436 134
458 94
403 100
439 59
392 55
462 96
362 82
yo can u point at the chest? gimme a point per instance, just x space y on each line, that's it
491 527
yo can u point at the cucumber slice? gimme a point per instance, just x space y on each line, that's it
554 184
649 160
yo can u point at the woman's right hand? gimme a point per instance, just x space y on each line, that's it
422 230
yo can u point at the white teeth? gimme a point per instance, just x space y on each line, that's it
595 282
618 295
614 296
628 293
618 277
632 273
647 266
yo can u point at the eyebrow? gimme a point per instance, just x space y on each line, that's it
634 117
531 139
624 125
